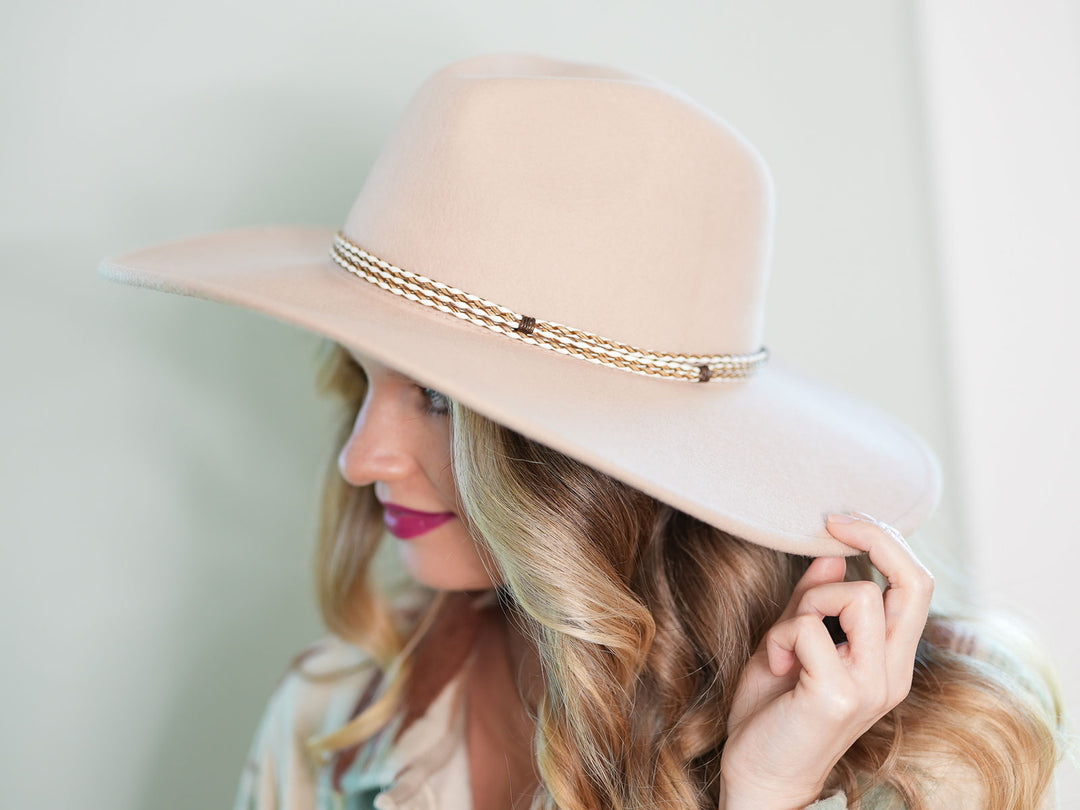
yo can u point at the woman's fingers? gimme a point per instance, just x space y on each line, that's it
907 598
861 612
882 631
805 638
911 586
803 700
777 673
820 572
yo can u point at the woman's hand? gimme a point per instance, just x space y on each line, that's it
803 700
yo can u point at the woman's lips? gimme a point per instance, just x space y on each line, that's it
408 523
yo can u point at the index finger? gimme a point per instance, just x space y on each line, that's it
911 585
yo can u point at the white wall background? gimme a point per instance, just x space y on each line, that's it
160 460
1002 91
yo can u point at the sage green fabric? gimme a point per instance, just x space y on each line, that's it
877 799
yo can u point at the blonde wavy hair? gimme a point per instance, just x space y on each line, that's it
643 619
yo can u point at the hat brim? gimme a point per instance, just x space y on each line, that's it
765 459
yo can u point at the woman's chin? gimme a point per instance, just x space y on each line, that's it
441 573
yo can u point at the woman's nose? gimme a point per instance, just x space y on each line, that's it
377 449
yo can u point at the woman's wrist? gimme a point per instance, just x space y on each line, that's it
744 797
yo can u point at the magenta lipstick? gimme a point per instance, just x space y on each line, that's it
408 523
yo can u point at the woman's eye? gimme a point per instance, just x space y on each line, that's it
436 402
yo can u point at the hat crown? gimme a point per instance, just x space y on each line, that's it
578 195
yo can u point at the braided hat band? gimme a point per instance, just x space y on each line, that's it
546 334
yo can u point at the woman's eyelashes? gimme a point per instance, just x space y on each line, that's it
436 403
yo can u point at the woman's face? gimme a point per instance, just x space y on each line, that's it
401 444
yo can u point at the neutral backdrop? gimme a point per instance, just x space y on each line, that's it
161 456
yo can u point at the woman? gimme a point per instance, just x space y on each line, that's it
546 315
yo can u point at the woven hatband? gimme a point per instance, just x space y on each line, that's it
546 334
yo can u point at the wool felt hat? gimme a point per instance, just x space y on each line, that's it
580 253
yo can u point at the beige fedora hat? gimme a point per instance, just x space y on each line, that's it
580 254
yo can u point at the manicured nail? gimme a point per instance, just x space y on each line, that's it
838 518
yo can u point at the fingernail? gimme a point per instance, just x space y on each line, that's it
838 518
